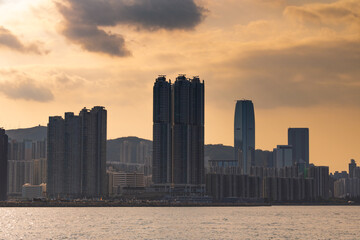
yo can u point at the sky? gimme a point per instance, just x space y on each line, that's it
297 60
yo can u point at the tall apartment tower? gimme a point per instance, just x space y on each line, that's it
162 162
77 154
178 148
72 155
181 130
196 125
56 157
93 150
298 138
244 135
3 164
352 167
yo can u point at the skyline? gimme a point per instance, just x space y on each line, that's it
296 61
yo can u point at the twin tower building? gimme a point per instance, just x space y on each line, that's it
178 132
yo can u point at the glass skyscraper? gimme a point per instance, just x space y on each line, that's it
244 135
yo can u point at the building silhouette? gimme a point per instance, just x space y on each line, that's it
298 138
354 170
244 135
178 133
162 161
3 164
77 154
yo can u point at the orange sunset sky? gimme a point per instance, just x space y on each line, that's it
297 60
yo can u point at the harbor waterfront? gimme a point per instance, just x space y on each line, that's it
279 222
149 203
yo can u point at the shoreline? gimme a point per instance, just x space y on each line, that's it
118 204
160 204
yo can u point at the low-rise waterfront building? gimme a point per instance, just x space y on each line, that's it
33 191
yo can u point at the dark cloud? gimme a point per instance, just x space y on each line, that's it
9 40
83 19
322 73
96 40
19 86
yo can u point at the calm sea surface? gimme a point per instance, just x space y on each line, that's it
278 222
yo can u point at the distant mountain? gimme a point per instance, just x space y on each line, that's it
35 133
113 147
211 151
219 152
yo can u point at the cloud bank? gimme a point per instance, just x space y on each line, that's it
84 19
339 12
20 86
314 73
9 40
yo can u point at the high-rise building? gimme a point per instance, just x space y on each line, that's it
283 156
3 164
56 156
180 130
178 134
352 167
244 135
196 125
188 130
26 164
298 138
72 155
162 161
93 151
77 154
